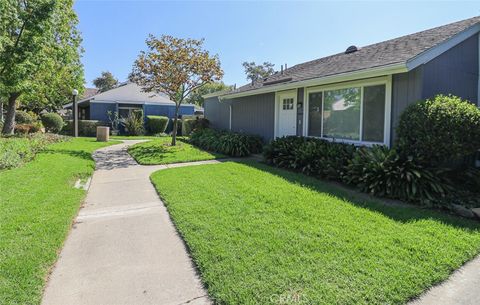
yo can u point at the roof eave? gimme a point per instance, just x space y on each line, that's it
341 77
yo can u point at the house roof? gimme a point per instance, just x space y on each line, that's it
384 54
89 92
127 93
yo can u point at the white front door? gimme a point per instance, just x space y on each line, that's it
287 114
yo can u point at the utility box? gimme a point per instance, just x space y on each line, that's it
103 133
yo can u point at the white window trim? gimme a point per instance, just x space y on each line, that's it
386 80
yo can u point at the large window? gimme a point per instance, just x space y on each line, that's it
352 113
341 114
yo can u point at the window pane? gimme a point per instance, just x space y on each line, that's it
373 113
341 116
315 114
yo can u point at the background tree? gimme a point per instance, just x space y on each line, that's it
256 72
38 37
105 82
175 67
196 96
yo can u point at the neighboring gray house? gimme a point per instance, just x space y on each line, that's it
356 96
124 99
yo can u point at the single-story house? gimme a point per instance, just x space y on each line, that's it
124 99
358 95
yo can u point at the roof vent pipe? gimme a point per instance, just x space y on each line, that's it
281 69
351 49
285 66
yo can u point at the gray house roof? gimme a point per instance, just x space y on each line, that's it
128 93
405 51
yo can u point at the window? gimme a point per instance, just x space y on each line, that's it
315 114
373 113
351 113
287 104
341 114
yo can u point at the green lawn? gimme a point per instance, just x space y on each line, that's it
261 235
159 151
37 205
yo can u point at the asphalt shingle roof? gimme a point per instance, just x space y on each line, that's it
394 51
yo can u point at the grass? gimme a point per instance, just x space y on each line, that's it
159 151
38 203
261 235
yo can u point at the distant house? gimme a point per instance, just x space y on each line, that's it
358 95
124 99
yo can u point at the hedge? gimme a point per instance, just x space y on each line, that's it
157 124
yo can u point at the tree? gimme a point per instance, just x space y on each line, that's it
38 39
105 82
175 67
196 97
258 72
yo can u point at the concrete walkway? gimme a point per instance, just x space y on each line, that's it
461 288
123 248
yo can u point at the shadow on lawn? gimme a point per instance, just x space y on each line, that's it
74 153
394 210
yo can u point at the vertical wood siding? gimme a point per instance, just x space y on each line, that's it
254 115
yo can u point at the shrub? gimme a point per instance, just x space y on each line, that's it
226 142
191 124
439 130
157 124
311 156
52 122
383 172
187 126
134 123
86 128
22 117
15 151
28 128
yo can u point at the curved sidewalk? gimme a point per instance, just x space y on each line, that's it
123 247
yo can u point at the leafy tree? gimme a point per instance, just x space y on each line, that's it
256 72
196 96
105 82
39 44
175 67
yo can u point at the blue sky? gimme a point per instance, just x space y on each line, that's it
289 32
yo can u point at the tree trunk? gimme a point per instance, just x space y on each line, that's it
175 125
9 123
1 111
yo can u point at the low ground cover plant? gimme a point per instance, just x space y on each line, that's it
226 142
15 151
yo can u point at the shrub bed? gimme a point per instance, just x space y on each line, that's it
23 117
191 124
15 151
310 156
226 142
156 124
